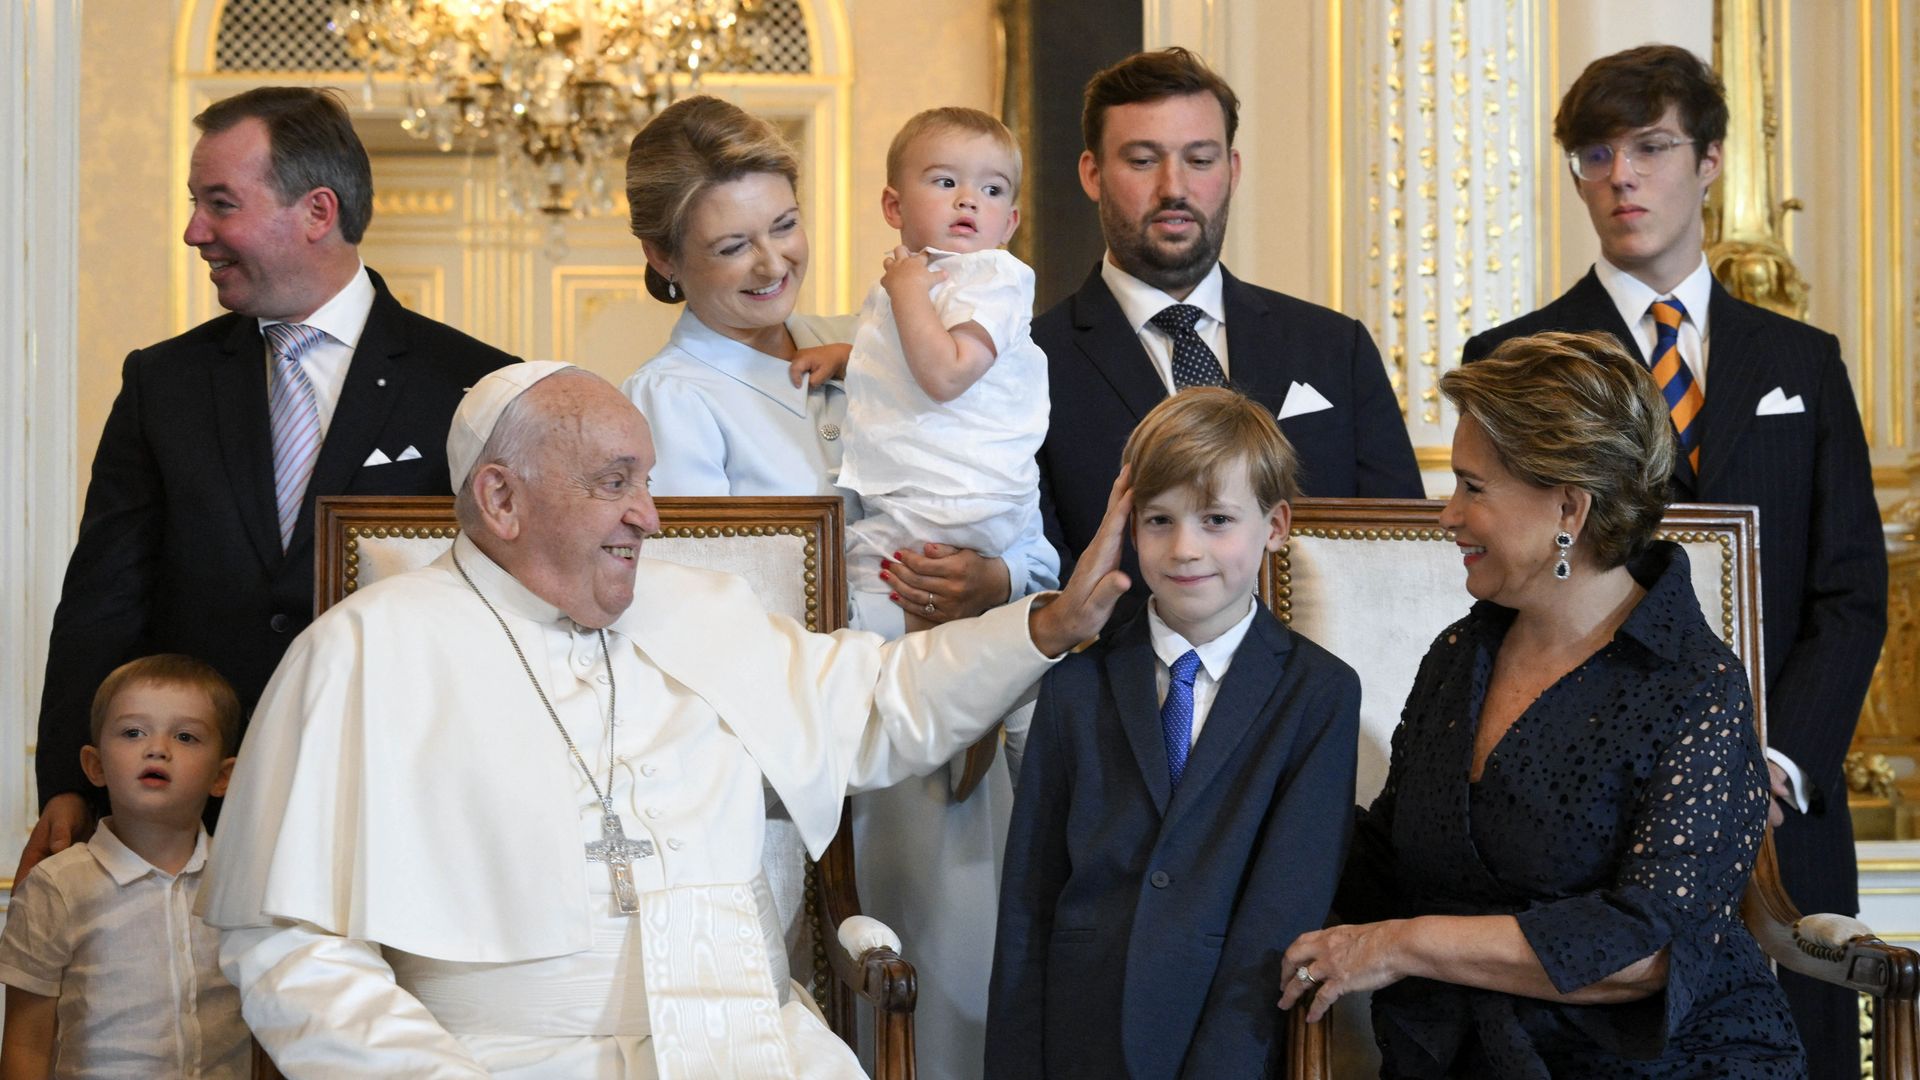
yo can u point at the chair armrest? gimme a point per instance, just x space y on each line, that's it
872 949
876 972
1834 949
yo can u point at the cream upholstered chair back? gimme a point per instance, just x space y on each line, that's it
1375 580
788 549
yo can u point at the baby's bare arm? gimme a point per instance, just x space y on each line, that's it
944 362
26 1048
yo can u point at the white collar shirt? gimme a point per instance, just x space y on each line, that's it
1215 657
1140 302
1633 297
136 975
342 319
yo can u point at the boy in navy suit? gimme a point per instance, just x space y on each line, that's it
1185 798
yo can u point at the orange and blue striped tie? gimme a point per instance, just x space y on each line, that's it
1675 380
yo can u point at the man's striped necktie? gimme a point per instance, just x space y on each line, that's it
1675 379
294 414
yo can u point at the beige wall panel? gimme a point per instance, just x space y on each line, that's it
127 197
1276 56
907 57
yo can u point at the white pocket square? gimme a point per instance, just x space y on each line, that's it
1301 400
378 457
1777 403
409 454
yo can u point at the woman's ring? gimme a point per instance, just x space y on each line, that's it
1305 976
929 608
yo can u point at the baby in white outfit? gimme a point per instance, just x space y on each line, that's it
946 391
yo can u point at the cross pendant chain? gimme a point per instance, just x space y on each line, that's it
613 847
618 852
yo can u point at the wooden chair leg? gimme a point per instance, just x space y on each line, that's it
1895 1054
263 1066
1309 1046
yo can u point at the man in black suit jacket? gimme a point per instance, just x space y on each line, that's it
182 545
1159 160
1779 429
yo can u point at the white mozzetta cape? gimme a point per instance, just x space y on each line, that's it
399 784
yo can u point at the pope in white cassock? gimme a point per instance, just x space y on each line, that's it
503 816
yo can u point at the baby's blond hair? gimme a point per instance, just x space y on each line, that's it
945 119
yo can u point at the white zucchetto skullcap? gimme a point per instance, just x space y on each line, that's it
480 410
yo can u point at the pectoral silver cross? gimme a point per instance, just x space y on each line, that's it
618 852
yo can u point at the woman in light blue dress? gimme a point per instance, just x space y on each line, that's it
712 196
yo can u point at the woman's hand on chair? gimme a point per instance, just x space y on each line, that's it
1340 960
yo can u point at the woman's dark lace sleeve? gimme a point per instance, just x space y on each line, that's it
1697 827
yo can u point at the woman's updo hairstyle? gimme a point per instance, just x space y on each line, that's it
691 145
1576 409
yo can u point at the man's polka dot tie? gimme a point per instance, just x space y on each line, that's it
1193 363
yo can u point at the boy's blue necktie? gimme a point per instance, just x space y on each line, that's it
1176 714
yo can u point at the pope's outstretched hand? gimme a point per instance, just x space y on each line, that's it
1079 612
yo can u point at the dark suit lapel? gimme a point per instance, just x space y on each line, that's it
238 388
1743 371
1249 335
1243 695
1588 307
1131 669
374 382
1106 339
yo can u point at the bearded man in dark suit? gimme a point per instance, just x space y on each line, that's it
198 531
1160 312
1764 414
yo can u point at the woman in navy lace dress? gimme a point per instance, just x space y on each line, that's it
1549 885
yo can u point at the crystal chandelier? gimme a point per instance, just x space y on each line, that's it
557 87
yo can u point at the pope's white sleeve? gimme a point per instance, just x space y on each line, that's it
327 1006
933 693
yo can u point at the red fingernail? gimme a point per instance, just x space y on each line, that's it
896 554
886 564
893 596
884 577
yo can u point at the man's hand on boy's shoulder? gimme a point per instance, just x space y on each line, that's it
66 820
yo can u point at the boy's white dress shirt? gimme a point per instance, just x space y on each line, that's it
1215 657
136 974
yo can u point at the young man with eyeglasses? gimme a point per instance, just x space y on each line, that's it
1764 414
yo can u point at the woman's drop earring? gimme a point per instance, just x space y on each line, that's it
673 291
1564 541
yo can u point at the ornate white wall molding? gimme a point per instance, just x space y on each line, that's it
1392 166
39 114
1442 142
